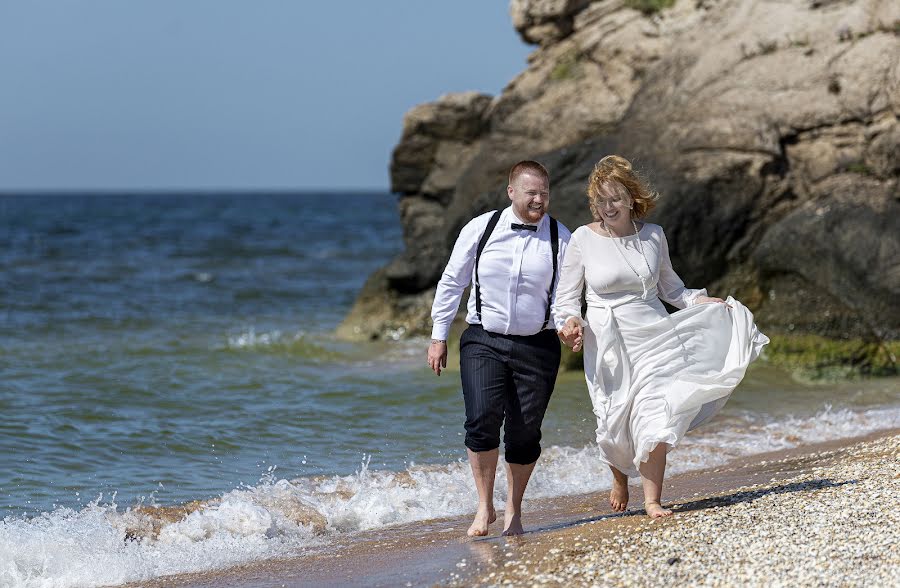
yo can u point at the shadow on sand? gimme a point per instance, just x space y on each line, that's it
751 495
701 504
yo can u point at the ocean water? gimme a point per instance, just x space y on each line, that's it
157 350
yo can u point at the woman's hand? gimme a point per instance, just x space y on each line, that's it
708 299
437 356
572 334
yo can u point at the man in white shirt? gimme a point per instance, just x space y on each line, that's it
509 354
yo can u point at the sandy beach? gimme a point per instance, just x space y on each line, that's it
813 515
827 516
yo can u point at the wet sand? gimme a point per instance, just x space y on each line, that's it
742 523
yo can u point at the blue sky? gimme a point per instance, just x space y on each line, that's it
207 94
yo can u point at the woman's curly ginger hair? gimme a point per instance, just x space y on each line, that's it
612 170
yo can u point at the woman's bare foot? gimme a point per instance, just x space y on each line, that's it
483 518
618 495
655 510
513 525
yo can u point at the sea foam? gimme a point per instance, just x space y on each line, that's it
102 545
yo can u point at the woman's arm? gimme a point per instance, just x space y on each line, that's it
670 287
567 303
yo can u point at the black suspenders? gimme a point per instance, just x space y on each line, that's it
554 246
484 239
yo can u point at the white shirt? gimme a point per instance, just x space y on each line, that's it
514 273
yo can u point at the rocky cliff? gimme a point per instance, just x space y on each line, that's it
771 129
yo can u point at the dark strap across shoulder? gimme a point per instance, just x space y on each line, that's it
484 239
554 247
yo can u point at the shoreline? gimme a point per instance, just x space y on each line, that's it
824 517
568 535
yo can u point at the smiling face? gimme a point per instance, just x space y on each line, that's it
530 195
613 204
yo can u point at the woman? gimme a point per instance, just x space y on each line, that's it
651 376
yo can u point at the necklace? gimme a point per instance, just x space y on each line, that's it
628 263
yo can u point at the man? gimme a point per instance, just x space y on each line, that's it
509 354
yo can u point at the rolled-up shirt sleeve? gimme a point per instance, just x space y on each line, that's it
456 278
670 287
567 303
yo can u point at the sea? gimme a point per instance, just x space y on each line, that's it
178 351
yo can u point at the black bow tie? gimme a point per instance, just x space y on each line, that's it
517 226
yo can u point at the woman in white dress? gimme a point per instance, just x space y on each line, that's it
651 376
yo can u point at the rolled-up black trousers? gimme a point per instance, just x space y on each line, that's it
507 380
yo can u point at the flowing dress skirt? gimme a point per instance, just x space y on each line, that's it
653 376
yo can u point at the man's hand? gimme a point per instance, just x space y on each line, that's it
437 356
572 334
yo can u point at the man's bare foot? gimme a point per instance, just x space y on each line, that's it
483 518
618 495
655 510
513 525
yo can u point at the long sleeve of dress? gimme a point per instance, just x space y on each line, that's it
561 260
671 288
571 284
456 278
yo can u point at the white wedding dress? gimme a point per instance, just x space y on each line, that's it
652 376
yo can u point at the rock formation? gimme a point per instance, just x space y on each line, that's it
771 130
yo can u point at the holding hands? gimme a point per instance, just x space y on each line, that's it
572 334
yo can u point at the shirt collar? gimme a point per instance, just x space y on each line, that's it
516 219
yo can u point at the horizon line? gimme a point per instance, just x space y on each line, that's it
205 191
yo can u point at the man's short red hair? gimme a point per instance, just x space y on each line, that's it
528 166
